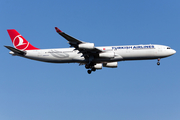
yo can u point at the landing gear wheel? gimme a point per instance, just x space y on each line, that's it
158 63
93 69
87 66
89 71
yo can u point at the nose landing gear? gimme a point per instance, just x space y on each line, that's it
158 63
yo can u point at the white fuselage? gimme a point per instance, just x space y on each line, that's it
128 52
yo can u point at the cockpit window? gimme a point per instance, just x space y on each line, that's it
168 48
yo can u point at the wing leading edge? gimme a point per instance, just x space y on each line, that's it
72 41
86 48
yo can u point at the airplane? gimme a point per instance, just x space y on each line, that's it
85 53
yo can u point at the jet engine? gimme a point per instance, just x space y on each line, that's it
86 46
109 54
110 64
98 66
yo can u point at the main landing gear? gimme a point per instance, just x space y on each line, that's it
90 67
89 71
158 63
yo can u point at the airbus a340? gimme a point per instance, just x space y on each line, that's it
86 53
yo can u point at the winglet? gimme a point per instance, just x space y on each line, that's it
58 30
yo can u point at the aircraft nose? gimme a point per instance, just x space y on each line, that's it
173 51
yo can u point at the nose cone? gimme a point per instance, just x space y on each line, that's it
173 52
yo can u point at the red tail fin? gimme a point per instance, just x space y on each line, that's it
19 41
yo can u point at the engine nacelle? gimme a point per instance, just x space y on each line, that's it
98 66
86 46
110 64
109 54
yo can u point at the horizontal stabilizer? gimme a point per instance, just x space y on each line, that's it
15 50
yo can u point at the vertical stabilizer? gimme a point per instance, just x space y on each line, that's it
19 41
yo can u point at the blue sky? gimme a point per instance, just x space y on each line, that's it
138 90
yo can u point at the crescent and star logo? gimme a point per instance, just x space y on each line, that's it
20 43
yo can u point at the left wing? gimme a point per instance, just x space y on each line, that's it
72 41
86 48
